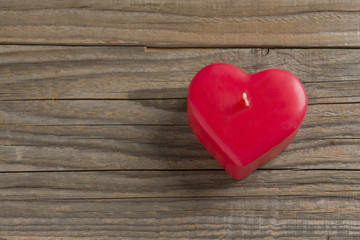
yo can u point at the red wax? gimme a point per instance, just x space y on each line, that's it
244 131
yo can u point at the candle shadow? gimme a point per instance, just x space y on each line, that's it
171 140
171 144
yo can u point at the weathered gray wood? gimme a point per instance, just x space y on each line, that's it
187 204
178 184
31 148
286 217
41 72
44 72
310 154
182 23
94 141
152 134
140 112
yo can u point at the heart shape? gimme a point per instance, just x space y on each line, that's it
242 119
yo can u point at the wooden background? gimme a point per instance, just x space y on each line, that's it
94 139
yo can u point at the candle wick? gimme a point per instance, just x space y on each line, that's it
246 100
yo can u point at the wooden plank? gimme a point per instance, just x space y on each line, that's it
139 112
153 134
81 150
312 154
209 205
107 147
285 217
297 23
44 72
176 184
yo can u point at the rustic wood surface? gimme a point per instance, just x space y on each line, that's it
182 23
94 140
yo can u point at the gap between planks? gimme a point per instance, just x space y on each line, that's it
140 99
177 170
172 49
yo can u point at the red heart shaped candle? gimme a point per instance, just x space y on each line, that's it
242 119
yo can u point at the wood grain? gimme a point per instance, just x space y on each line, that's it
135 112
43 72
287 217
208 205
150 131
312 154
176 184
94 139
153 134
298 23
